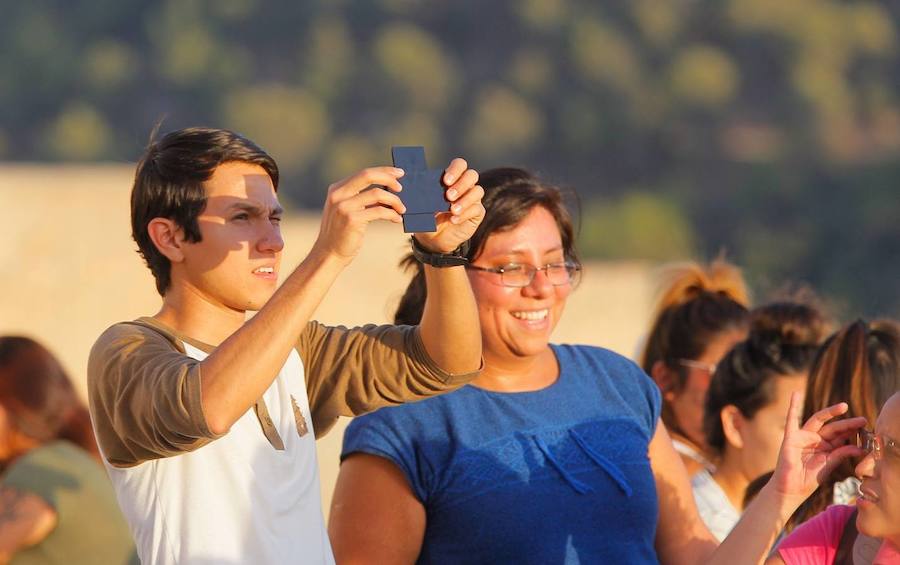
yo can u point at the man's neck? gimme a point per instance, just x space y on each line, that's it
191 314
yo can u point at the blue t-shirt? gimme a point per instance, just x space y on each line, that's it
558 475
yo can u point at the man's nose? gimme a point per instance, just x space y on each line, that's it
270 239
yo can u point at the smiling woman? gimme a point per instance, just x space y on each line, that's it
544 457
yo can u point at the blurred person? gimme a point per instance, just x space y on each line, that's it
747 403
701 314
860 364
870 531
206 420
56 503
554 453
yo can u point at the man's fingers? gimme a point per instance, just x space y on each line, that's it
471 197
377 197
475 211
819 419
380 213
454 171
463 185
383 176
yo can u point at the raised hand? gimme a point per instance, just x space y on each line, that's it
352 204
466 211
809 453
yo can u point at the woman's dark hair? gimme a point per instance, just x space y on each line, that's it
859 365
696 305
38 396
168 183
783 340
509 195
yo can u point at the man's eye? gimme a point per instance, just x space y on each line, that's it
511 268
275 220
242 216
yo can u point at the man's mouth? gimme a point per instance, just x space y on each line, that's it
531 315
264 271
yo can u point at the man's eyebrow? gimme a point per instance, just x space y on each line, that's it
256 209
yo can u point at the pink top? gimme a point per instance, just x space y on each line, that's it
815 542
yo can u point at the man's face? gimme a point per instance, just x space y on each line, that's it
235 265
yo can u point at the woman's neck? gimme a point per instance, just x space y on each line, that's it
518 374
732 480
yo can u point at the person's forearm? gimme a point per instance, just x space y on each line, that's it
449 328
240 370
752 538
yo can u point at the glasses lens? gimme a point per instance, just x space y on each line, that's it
560 273
516 275
865 440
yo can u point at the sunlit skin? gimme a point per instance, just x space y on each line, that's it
752 444
688 402
516 351
234 268
879 500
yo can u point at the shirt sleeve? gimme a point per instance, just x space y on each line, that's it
385 434
354 371
144 396
816 540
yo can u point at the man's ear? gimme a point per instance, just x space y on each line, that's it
664 378
732 423
167 237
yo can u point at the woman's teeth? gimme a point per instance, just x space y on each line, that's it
531 315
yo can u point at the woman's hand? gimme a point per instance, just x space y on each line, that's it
809 453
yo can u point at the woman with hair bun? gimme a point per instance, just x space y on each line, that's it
747 403
56 502
702 312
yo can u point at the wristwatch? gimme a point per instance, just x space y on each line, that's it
455 258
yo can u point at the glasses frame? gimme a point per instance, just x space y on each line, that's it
571 268
870 442
700 365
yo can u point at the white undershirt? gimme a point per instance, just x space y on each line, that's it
715 508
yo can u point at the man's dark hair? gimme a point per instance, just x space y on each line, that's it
168 183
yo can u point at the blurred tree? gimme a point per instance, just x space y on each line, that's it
290 123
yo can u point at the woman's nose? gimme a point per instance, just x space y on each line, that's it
866 467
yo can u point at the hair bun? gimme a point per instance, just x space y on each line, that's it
786 324
683 282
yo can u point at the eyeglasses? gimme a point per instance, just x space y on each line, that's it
699 365
871 442
519 276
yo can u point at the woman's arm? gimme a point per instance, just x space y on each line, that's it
681 536
25 520
375 517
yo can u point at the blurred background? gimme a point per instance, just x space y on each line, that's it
767 129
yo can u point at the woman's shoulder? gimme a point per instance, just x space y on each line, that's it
817 539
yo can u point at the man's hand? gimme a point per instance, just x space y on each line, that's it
466 211
355 202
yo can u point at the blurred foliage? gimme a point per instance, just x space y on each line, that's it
769 128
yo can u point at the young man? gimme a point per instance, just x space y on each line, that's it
207 420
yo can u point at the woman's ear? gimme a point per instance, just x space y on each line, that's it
732 423
167 237
664 378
